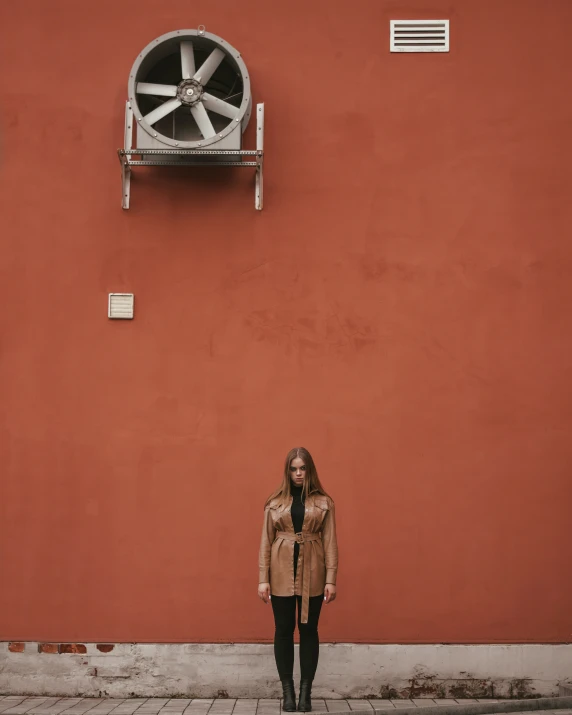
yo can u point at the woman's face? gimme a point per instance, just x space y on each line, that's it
297 471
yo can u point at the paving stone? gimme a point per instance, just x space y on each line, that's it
97 701
245 706
34 700
424 702
224 703
337 706
268 707
382 704
222 706
403 703
358 704
198 705
179 702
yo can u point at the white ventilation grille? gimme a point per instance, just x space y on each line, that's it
419 35
120 306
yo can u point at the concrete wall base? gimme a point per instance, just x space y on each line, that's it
247 670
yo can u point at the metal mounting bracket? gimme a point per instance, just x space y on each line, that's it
127 162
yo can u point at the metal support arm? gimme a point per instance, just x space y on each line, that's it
163 155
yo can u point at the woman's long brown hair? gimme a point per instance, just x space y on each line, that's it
312 484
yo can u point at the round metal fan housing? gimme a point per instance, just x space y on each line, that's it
190 89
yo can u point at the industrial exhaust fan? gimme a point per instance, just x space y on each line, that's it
189 104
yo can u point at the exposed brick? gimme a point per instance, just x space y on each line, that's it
72 648
47 648
16 647
105 647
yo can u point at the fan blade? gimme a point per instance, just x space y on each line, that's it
162 111
187 59
202 119
214 104
159 90
208 68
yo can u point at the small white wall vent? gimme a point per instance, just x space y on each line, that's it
419 36
120 306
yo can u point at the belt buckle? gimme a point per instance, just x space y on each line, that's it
299 537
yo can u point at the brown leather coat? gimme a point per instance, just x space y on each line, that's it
318 559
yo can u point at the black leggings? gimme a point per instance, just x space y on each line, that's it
284 608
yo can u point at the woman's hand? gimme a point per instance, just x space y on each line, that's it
264 592
329 593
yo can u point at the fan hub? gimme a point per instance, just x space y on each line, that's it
189 91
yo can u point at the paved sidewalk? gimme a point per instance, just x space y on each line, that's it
21 705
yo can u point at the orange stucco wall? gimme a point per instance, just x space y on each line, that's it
401 307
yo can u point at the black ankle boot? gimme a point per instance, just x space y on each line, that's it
305 702
289 703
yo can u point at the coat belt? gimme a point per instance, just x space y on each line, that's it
301 537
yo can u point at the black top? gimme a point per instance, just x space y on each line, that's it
297 512
298 508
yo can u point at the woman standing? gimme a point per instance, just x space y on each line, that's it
298 564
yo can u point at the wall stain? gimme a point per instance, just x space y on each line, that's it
316 335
